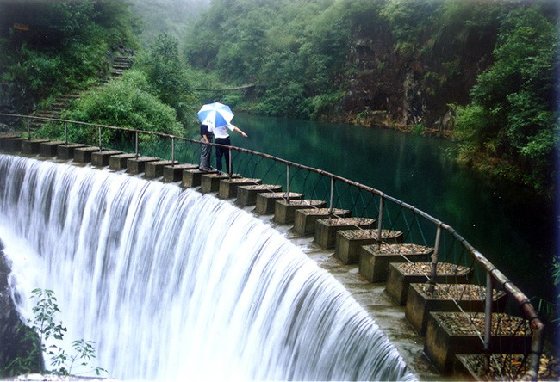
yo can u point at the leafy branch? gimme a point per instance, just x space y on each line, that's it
42 327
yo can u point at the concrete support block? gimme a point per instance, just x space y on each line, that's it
154 169
375 258
49 149
193 178
137 166
446 298
348 243
211 182
285 211
11 144
32 146
401 275
304 223
326 229
83 154
119 162
101 158
247 195
266 202
450 333
175 173
66 151
228 187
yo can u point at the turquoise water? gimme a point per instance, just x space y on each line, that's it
511 227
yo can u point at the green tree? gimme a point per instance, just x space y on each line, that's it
168 75
511 115
50 332
63 46
127 102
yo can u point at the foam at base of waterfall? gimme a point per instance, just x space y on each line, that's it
171 284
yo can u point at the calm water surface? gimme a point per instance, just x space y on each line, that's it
513 229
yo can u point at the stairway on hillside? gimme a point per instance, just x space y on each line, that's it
118 65
54 109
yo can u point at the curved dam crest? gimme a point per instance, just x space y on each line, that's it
172 284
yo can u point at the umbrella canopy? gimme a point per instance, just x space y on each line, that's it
215 114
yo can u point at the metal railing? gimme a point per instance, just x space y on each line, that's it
340 192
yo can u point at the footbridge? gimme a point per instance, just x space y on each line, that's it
467 316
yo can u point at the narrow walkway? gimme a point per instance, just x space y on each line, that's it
372 297
315 236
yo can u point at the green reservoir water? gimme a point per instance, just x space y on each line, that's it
513 229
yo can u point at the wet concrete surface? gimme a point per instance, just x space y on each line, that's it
372 297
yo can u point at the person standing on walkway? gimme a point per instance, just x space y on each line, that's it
207 136
222 138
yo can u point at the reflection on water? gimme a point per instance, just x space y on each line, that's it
508 225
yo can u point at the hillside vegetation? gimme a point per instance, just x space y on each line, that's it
481 72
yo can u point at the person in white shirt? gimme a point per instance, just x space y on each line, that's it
221 137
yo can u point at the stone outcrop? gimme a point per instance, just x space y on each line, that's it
17 340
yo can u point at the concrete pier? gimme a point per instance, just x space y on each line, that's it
285 211
101 158
49 149
193 178
118 162
66 151
266 202
154 169
32 146
348 243
326 229
247 195
228 186
305 219
211 182
83 154
137 166
175 173
11 144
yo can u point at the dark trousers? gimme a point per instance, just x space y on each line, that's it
223 152
205 155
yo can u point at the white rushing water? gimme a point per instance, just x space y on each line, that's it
171 284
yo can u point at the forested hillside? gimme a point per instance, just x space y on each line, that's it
480 71
51 48
171 17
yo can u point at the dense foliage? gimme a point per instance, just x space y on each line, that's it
47 334
168 75
398 62
480 71
510 124
51 47
126 102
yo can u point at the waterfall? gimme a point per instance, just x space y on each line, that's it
172 284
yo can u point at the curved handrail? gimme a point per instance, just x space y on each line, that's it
524 303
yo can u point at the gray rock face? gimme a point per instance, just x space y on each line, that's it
17 339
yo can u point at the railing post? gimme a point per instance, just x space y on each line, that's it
65 132
230 167
331 200
27 125
172 151
537 328
288 182
380 221
488 311
435 259
136 143
99 133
